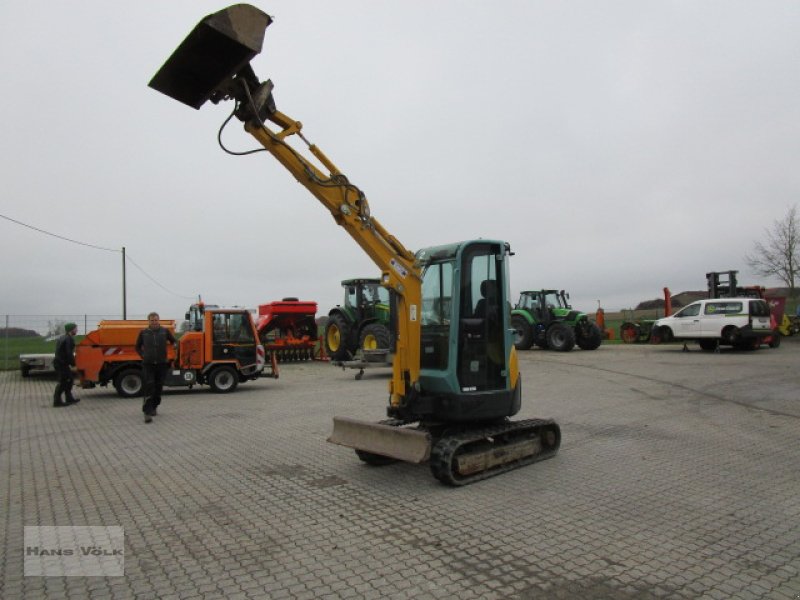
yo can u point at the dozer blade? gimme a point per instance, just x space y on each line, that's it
408 445
220 46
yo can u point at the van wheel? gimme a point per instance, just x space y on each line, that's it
128 383
731 335
223 380
775 340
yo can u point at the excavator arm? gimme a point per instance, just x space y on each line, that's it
350 209
213 63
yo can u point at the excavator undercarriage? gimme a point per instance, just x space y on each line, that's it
457 454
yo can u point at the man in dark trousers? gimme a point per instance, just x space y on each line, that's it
152 347
63 362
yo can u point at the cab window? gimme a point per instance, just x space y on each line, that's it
759 308
723 308
232 328
690 311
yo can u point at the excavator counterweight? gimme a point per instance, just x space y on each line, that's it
220 47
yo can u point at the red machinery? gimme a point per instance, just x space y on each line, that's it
288 330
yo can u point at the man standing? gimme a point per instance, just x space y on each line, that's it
63 362
152 347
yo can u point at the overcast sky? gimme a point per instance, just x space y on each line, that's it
620 147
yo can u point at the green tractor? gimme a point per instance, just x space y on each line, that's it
545 318
363 322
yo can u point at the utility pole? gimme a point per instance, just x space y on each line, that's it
124 292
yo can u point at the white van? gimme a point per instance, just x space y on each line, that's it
738 322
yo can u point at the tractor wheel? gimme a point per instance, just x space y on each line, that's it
560 337
337 332
523 333
375 337
223 379
591 338
629 332
128 383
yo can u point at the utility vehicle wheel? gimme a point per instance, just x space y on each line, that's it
707 345
591 338
374 460
523 333
337 332
128 383
25 370
375 337
223 379
629 332
560 337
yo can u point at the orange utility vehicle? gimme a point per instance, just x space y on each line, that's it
222 351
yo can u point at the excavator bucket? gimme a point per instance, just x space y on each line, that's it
408 445
218 48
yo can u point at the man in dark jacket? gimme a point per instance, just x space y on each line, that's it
63 362
152 347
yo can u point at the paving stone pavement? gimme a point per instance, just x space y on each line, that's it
678 477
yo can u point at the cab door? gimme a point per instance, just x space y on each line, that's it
482 308
687 321
233 338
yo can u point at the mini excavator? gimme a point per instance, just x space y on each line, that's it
455 377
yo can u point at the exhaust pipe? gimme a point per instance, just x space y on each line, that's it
217 50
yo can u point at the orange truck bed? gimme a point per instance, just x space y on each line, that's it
112 341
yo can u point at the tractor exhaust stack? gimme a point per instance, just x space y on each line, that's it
218 49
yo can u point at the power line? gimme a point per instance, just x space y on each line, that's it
61 237
127 256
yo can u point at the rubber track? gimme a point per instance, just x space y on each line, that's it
444 452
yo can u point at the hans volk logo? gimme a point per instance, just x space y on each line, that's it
74 551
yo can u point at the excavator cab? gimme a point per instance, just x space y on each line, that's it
469 369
